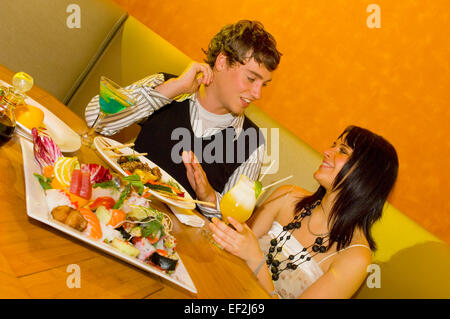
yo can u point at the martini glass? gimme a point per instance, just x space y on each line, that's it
112 99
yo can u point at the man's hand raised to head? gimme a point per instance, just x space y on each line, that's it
197 178
188 82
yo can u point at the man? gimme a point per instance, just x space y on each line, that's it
208 100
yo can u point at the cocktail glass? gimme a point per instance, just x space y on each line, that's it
112 99
238 203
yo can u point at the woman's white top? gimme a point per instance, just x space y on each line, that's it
292 283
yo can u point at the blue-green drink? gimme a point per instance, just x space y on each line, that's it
112 99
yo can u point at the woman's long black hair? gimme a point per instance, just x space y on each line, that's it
363 185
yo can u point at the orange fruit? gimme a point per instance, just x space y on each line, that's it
29 116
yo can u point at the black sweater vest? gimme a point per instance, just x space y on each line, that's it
168 131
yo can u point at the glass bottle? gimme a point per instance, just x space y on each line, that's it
10 98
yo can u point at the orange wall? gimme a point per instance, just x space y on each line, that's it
336 71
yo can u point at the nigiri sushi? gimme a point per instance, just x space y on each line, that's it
93 229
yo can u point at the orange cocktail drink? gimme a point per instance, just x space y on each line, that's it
239 202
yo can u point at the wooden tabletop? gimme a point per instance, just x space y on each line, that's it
35 258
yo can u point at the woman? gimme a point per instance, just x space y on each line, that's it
304 245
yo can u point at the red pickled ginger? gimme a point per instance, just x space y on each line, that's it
99 174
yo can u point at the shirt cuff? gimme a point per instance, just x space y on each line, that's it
212 212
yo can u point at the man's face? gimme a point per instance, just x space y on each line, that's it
240 84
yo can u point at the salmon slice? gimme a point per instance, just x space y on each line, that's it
93 230
117 216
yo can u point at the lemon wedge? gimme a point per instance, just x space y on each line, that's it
63 169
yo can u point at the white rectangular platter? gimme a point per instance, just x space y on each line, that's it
37 209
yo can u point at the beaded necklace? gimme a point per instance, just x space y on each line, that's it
276 244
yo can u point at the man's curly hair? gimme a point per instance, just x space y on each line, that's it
242 40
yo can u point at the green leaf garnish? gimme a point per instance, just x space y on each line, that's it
132 158
107 184
44 181
126 191
151 228
135 181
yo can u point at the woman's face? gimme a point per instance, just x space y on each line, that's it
334 159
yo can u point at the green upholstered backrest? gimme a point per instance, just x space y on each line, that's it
134 52
35 38
412 262
290 155
144 52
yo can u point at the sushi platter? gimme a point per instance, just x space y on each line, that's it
184 202
98 207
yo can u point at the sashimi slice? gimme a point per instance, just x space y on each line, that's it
94 229
102 192
75 182
117 217
57 197
86 186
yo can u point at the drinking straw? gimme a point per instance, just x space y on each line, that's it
277 182
266 171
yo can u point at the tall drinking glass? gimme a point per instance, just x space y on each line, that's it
112 99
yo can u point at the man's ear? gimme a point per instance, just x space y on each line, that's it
221 62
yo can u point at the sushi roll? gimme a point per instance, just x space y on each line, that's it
163 262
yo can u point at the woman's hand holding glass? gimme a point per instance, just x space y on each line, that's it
240 241
238 203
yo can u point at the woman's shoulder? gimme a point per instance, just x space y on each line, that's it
287 197
357 254
283 199
295 190
285 193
